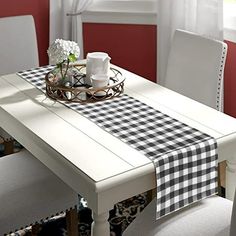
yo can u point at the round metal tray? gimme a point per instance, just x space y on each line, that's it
76 90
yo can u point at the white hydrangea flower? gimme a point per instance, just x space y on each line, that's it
60 50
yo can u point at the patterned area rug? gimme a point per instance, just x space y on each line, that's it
120 216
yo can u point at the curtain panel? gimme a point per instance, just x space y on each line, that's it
66 21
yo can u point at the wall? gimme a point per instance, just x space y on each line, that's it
40 11
230 80
134 48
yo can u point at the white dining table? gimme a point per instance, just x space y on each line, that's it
97 165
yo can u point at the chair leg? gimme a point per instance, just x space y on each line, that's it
35 229
221 177
8 147
1 140
72 222
151 194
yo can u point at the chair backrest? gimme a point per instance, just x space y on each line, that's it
195 68
18 47
233 218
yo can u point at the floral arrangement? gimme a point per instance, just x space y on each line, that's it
62 53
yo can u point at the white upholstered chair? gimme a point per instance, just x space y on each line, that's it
18 51
209 217
30 193
196 67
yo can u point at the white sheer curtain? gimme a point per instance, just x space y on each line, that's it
201 16
66 22
77 30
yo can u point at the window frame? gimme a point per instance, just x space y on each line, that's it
144 12
121 12
230 21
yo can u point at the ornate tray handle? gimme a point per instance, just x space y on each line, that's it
75 89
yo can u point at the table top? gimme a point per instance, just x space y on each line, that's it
72 145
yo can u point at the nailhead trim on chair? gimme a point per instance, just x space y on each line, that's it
223 58
41 220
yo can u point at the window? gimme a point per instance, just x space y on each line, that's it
144 12
230 20
122 11
230 14
139 6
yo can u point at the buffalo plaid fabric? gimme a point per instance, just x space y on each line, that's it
185 158
36 76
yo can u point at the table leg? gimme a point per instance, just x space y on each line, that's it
230 179
100 225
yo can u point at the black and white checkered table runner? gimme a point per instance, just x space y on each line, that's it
185 158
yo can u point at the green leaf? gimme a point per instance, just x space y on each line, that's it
72 58
59 65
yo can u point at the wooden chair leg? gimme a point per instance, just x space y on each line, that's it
221 177
151 194
1 140
35 229
8 147
72 222
219 182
